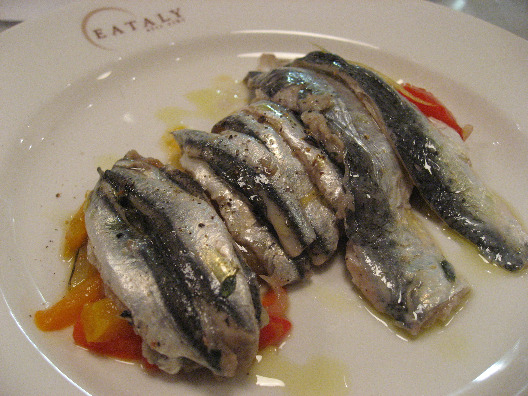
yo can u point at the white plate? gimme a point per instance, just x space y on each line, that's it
80 87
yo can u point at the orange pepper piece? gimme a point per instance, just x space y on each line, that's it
68 310
76 234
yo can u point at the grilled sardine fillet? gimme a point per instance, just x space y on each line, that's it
439 169
290 171
247 166
392 260
166 255
322 171
262 250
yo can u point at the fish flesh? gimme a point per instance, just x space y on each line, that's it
262 250
439 169
252 170
167 257
253 121
392 260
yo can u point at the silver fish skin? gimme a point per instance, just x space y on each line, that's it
168 258
323 172
299 91
247 230
292 174
253 171
393 262
439 169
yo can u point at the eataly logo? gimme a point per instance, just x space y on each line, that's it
103 25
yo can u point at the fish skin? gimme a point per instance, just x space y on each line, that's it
438 168
149 191
323 173
392 260
249 168
304 96
247 230
156 246
292 174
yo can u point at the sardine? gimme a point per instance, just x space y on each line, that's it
392 260
291 172
438 168
323 172
304 96
168 258
252 170
247 230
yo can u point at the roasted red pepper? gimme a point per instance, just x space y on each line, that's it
275 301
432 107
125 346
274 332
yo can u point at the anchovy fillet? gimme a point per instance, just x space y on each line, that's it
166 255
392 261
292 174
252 170
442 174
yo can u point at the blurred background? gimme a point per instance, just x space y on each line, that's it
511 15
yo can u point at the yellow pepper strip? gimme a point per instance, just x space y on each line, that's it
76 234
102 322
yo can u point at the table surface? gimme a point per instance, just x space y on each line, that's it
511 15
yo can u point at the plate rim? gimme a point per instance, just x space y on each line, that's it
12 38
